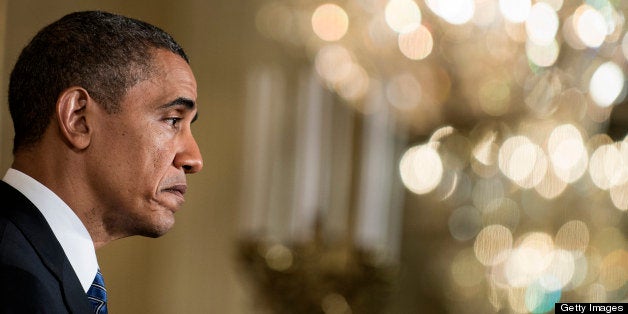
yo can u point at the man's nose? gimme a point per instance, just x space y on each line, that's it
189 158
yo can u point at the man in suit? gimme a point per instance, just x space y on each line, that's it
101 106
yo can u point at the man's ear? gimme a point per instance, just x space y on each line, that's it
72 116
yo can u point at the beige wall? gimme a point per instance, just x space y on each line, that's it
190 270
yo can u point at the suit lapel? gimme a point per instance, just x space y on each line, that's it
35 228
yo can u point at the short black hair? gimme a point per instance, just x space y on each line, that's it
104 53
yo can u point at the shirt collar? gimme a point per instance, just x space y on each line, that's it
66 226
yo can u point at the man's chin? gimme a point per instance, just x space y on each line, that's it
152 222
155 232
158 227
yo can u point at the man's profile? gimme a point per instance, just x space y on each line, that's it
102 106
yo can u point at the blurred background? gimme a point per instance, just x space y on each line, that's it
384 156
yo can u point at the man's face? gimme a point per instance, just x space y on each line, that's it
142 154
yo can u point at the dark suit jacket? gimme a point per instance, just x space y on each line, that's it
35 274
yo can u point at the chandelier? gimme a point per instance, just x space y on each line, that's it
506 105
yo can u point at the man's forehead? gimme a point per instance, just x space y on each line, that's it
171 81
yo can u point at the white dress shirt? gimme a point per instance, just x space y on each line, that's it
66 226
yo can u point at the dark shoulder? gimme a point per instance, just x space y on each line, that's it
14 247
26 284
6 190
23 292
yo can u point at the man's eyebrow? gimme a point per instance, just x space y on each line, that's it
182 101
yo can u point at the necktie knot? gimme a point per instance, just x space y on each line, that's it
97 294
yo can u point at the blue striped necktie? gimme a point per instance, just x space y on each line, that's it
97 294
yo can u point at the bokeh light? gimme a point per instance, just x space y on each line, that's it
567 153
334 63
403 16
355 86
619 196
417 44
515 11
442 133
573 236
487 191
494 97
542 24
517 157
517 299
465 222
551 186
279 257
453 148
570 35
486 12
330 22
403 91
485 149
539 299
542 55
421 169
493 244
614 270
529 259
555 4
624 46
522 161
560 272
607 167
453 11
504 211
590 26
606 84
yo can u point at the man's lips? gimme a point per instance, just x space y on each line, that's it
178 189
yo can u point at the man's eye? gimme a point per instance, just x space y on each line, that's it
173 121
